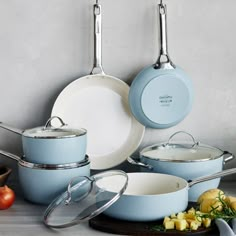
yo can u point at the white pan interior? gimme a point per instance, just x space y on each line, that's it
99 103
142 183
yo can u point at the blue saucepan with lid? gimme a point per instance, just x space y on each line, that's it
161 95
52 145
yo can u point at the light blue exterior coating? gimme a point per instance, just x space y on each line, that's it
54 150
43 186
148 207
188 171
145 97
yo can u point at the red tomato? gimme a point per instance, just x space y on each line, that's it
7 197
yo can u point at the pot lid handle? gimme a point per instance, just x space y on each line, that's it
49 122
70 185
195 143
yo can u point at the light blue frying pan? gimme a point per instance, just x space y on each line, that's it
161 95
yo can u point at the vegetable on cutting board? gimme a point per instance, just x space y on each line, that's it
212 204
190 219
210 194
214 200
231 201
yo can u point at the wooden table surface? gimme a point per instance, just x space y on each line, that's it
25 219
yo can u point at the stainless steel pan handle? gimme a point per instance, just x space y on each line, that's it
140 164
163 61
10 155
213 176
227 156
97 66
14 130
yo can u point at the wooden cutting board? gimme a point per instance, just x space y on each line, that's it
107 224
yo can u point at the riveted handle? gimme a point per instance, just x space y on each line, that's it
227 156
138 163
97 64
213 176
163 61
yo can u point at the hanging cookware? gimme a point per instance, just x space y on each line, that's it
188 160
134 197
161 95
99 102
50 145
41 183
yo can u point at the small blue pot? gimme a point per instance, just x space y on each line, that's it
50 145
42 183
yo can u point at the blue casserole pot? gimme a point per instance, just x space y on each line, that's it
188 160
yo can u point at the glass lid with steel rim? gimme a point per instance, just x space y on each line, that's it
85 198
183 151
61 130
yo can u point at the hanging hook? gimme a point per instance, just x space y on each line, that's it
162 7
97 8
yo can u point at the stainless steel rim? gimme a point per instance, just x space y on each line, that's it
31 165
187 146
67 132
40 130
183 161
176 146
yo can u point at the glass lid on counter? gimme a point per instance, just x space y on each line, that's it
85 198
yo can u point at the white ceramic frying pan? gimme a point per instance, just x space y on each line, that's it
99 103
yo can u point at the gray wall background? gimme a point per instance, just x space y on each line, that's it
45 45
